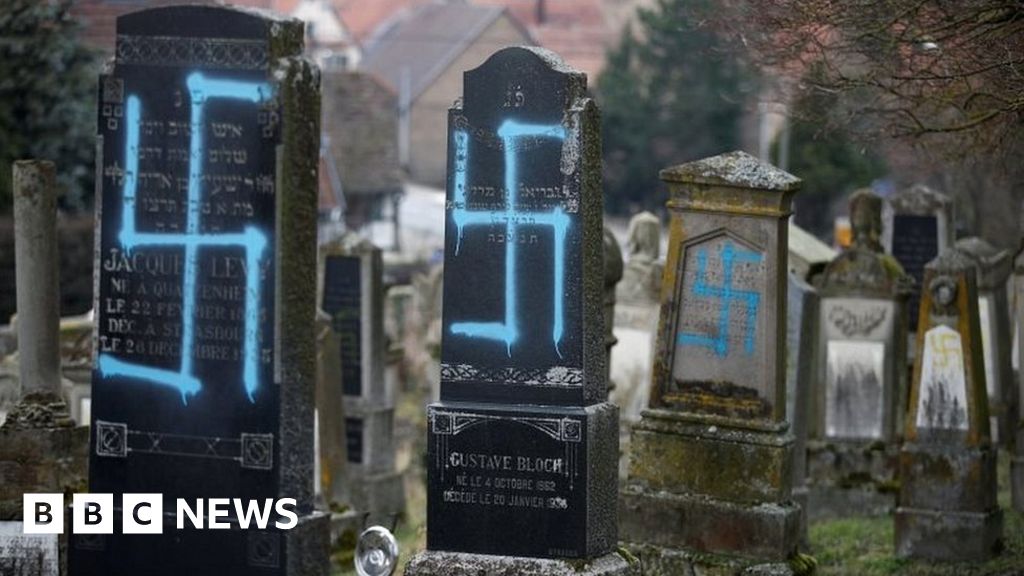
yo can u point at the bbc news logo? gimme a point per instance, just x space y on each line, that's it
144 513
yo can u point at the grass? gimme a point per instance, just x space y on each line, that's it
865 546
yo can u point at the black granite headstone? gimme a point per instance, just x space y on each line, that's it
202 385
915 242
342 300
522 451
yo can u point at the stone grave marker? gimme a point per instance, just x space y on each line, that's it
203 384
947 504
1017 460
636 321
801 334
861 372
918 225
352 295
994 268
522 447
41 450
718 397
331 470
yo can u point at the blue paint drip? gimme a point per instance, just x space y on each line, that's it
726 294
201 90
559 221
182 383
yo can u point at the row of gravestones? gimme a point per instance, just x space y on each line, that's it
206 292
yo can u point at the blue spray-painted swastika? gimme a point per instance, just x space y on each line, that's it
726 294
201 90
511 218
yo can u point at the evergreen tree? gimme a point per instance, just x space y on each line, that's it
47 96
824 154
673 92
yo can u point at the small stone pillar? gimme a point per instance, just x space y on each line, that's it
994 267
947 506
40 448
710 477
861 373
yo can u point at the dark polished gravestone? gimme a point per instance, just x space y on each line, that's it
947 504
203 384
352 293
522 449
918 226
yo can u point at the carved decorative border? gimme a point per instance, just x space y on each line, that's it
558 376
452 423
251 451
183 51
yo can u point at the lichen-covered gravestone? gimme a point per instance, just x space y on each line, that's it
522 448
918 226
994 267
947 505
203 383
861 373
710 473
352 294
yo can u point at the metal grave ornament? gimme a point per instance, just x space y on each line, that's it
376 552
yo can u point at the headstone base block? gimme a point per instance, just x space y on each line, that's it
522 481
380 495
851 478
672 451
768 531
658 561
434 563
941 535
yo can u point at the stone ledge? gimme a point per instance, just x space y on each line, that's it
676 456
947 478
762 532
948 536
435 563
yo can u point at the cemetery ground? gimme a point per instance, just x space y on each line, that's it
864 546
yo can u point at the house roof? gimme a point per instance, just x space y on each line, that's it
424 41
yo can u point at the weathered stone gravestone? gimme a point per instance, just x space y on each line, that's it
947 505
711 467
522 448
861 373
203 385
1017 461
636 322
801 334
353 296
994 268
918 226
